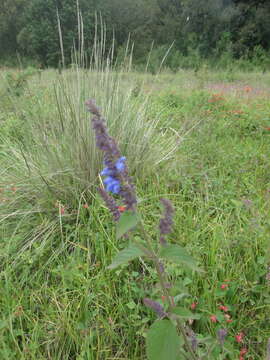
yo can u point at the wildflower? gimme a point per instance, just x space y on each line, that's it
155 306
193 305
120 164
224 286
61 209
112 185
161 267
213 318
117 180
121 208
19 311
103 141
112 181
223 308
85 206
239 337
243 351
228 318
247 202
165 224
128 195
215 98
247 89
168 285
110 203
194 341
221 335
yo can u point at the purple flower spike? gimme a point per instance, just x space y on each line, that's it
155 306
221 335
117 180
165 224
129 197
110 203
194 342
92 107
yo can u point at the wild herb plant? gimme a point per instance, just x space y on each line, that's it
170 337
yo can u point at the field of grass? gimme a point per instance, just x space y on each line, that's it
200 139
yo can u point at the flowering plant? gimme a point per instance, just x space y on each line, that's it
170 336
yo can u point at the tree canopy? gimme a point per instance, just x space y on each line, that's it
209 27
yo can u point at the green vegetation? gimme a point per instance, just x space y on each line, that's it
199 138
201 31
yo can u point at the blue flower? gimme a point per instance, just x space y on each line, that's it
107 172
115 170
112 185
120 163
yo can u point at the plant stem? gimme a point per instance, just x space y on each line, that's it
163 281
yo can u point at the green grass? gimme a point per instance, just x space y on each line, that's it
58 300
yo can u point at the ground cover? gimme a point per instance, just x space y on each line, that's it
206 150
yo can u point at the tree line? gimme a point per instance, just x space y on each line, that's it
198 28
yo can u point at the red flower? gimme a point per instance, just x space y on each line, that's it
213 318
224 286
62 210
247 89
243 351
121 208
193 305
228 318
223 308
239 337
86 206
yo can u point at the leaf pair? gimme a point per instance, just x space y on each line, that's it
174 253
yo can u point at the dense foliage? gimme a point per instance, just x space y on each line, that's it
200 139
201 27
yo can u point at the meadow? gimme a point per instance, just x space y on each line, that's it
200 139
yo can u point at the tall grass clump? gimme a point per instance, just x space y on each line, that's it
54 165
57 152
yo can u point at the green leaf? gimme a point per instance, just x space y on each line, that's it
162 341
124 256
185 313
131 305
179 255
3 324
127 221
237 203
